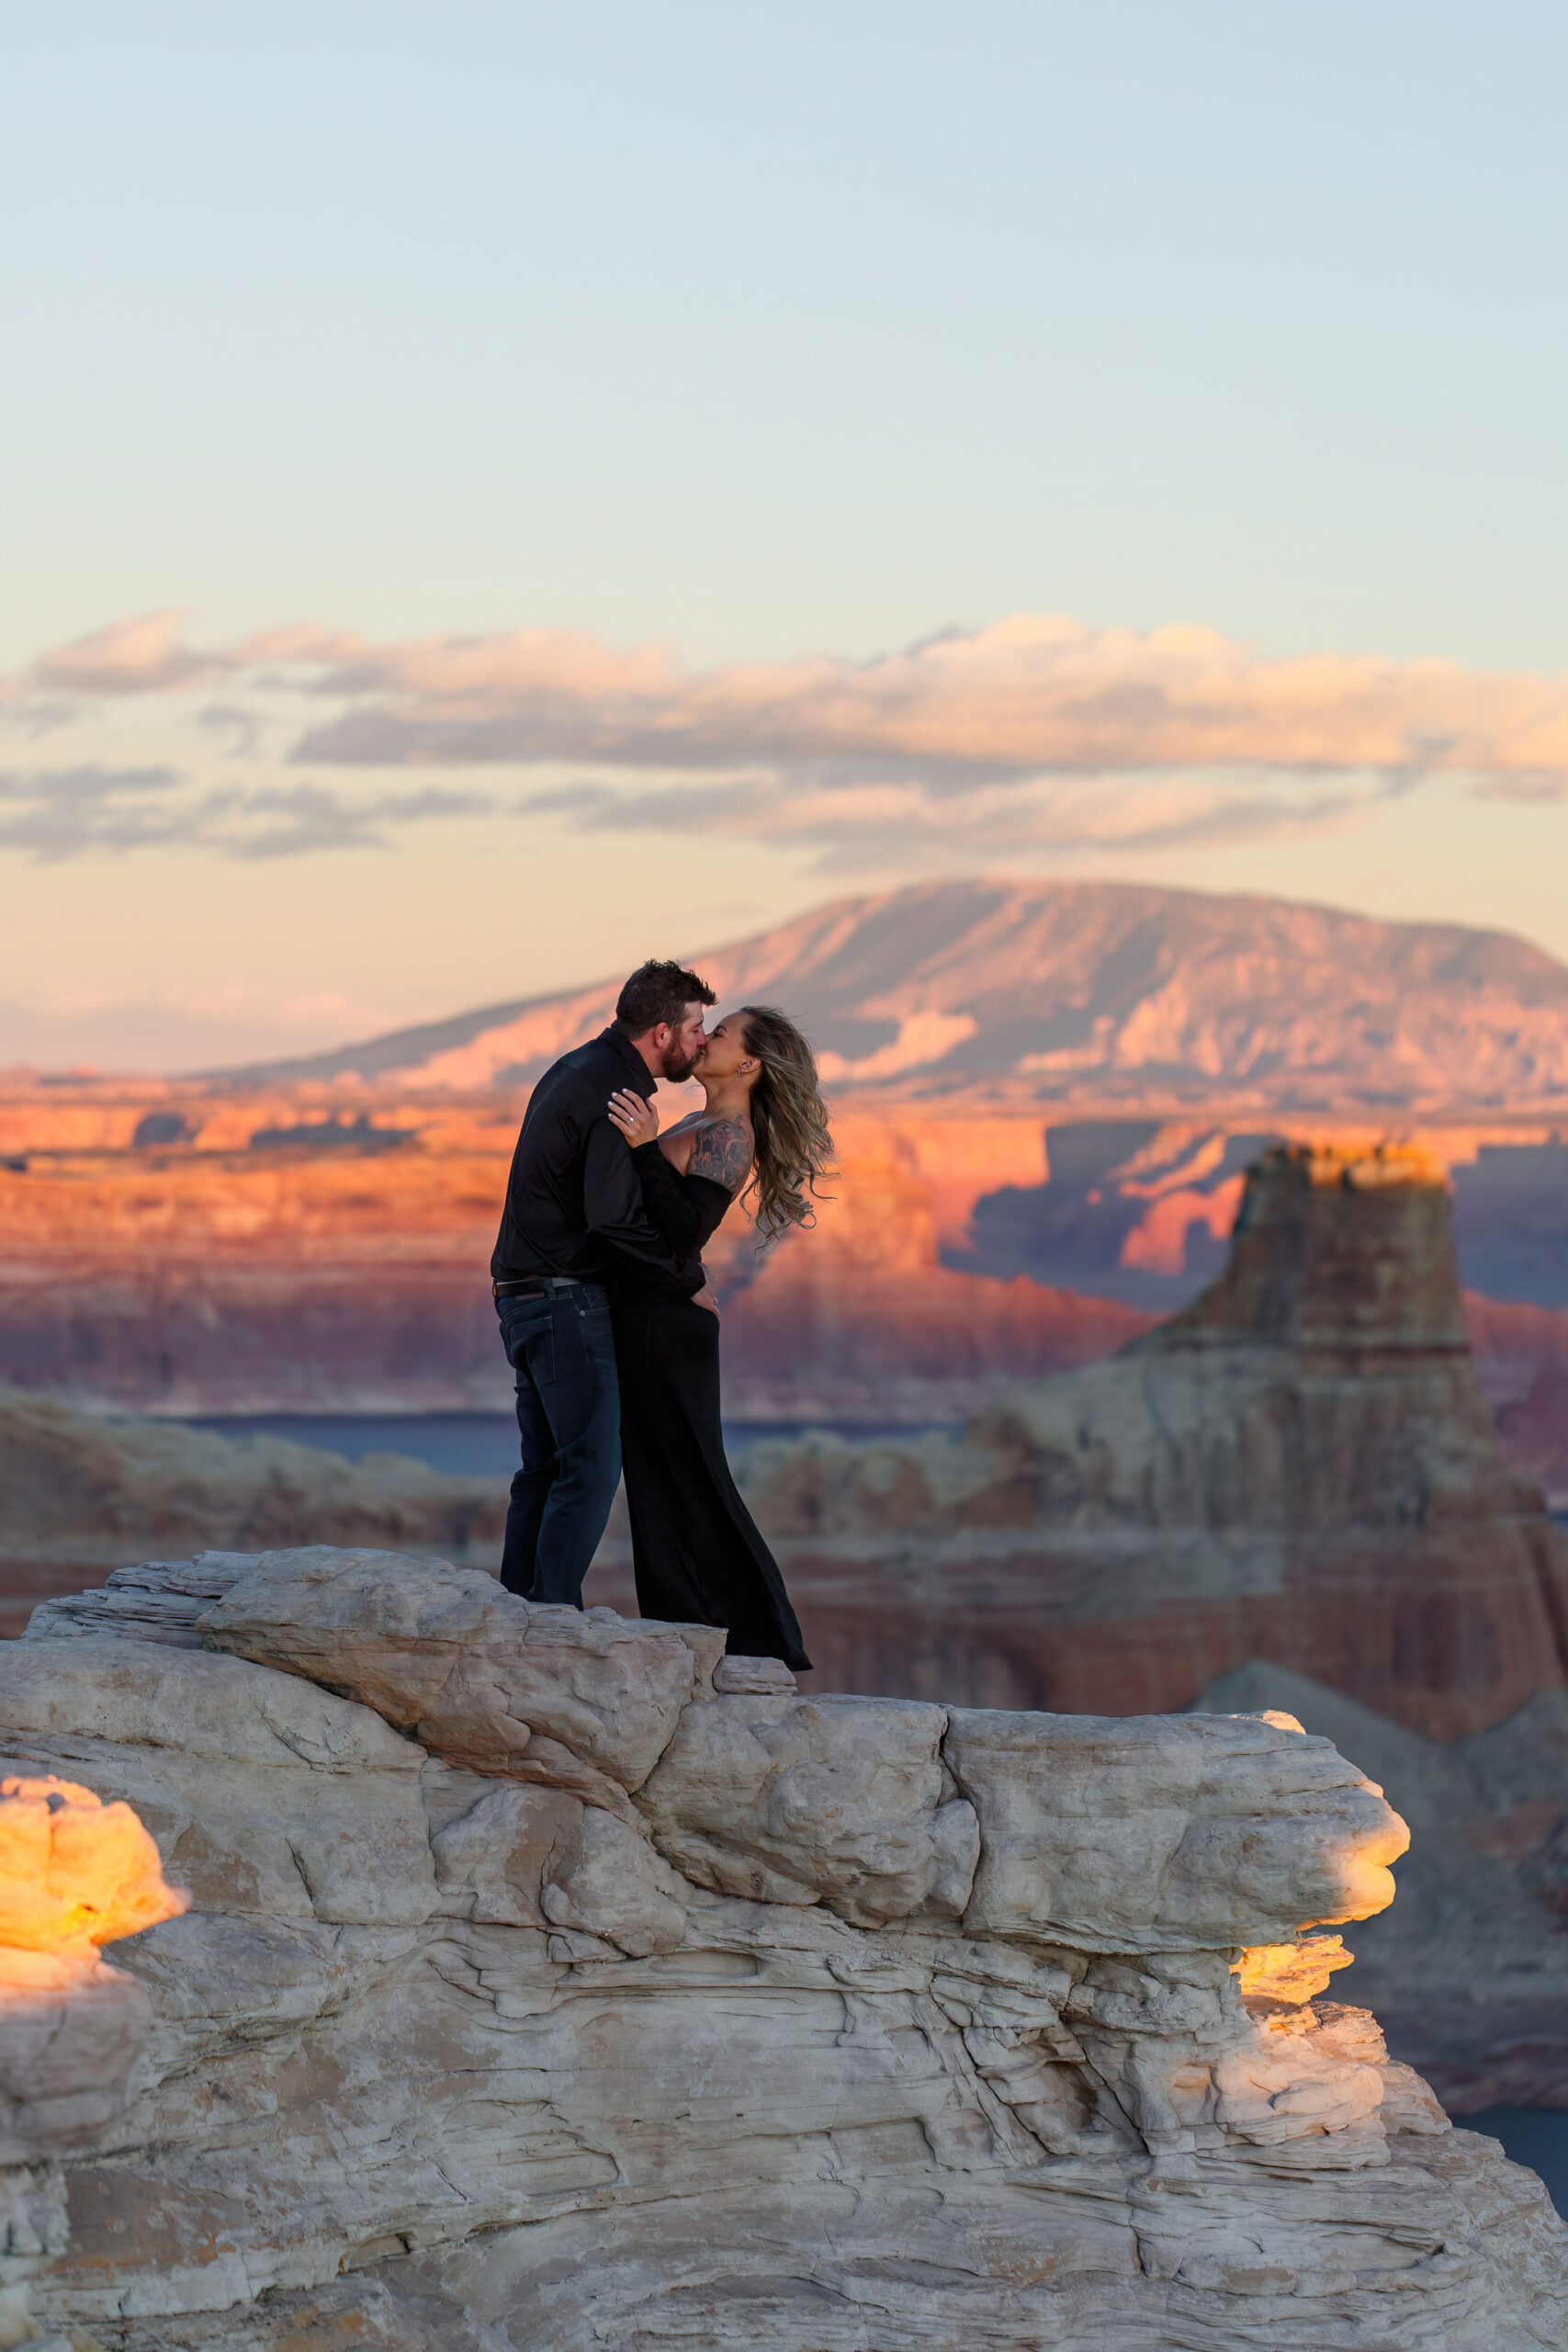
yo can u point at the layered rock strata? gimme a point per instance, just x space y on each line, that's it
306 1256
1300 1467
539 1990
80 1494
320 1249
1290 1494
1468 1971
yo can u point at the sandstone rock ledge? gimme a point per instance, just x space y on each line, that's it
537 1992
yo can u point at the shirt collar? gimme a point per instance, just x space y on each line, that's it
642 1077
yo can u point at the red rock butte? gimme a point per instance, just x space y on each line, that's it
1301 1467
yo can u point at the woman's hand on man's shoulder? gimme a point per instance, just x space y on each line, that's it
637 1120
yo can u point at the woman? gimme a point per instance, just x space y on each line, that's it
695 1549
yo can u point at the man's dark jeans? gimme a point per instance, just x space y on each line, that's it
569 1417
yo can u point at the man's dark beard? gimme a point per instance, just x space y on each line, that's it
676 1069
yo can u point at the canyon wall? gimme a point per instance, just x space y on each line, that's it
180 1250
1468 1971
296 1255
79 1496
1297 1477
1300 1466
1521 1355
1294 1492
554 1982
271 1254
1329 1495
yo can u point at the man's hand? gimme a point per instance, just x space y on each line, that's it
637 1120
704 1297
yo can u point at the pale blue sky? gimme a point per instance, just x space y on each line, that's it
771 330
766 327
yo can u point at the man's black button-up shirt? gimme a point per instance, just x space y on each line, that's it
574 1199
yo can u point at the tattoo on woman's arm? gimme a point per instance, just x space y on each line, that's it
722 1153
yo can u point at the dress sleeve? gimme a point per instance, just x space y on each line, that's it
709 1201
612 1203
674 1209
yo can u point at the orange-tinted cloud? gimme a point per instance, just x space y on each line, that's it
145 655
1036 733
1026 695
1029 694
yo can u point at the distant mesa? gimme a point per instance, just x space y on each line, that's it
1042 991
160 1129
334 1134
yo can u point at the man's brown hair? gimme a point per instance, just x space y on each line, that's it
659 993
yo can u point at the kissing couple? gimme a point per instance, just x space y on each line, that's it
606 1315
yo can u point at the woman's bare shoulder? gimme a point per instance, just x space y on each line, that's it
677 1141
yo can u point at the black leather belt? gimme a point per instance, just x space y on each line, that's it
538 1286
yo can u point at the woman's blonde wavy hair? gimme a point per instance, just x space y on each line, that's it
789 1123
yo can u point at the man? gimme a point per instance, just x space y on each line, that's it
573 1213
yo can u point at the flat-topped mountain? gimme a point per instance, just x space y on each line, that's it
1051 989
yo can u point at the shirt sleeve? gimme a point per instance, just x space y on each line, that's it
614 1209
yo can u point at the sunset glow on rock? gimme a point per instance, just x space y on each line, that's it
1294 1972
76 1873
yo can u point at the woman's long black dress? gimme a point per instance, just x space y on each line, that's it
696 1553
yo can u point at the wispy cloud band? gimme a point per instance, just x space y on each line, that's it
64 812
1038 731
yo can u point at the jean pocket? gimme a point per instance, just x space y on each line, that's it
528 1335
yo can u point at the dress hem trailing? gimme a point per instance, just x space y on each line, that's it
697 1554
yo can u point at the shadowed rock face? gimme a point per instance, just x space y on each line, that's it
1301 1467
1468 1971
1342 1255
816 2024
81 1495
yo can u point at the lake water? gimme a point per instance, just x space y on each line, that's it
1531 2137
468 1445
484 1446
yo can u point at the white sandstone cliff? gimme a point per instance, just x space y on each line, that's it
543 1988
